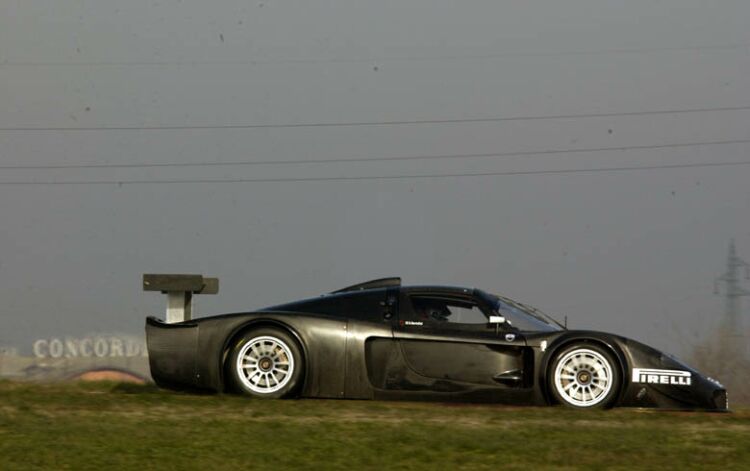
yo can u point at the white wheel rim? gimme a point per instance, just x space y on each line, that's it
265 364
583 377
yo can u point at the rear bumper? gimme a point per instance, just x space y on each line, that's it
172 353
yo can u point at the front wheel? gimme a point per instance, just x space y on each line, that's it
266 363
584 376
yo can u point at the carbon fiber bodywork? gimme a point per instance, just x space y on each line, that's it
357 344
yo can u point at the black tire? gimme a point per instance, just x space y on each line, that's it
584 376
266 354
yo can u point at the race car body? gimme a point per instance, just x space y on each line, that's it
381 340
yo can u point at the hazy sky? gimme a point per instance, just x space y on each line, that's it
634 252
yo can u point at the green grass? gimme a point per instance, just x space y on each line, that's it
117 426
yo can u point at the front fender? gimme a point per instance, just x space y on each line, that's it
657 379
650 378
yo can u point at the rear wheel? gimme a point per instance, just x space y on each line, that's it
266 363
584 376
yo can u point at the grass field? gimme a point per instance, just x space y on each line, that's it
118 426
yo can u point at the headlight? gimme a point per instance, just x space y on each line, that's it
716 382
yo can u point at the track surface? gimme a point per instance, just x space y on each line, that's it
119 426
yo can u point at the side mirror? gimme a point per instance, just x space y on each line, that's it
497 320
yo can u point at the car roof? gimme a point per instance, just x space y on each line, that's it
372 284
438 289
395 282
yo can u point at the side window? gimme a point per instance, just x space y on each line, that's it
454 311
365 306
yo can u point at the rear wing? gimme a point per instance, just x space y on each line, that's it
180 290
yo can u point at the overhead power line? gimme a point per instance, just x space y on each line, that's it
374 123
371 60
386 177
369 159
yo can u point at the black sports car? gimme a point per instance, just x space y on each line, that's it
381 340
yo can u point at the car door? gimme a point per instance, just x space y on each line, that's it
370 316
448 346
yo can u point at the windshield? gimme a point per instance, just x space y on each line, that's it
520 316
